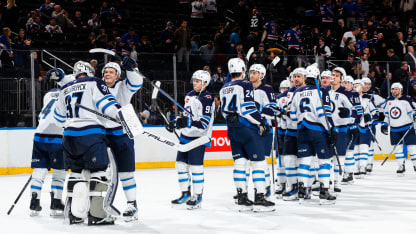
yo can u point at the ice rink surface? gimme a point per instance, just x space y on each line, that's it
380 203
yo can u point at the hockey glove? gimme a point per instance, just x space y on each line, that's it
354 131
128 63
343 112
264 128
381 117
55 74
376 117
171 126
367 118
414 117
183 122
333 136
385 129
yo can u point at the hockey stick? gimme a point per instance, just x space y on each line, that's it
20 194
327 123
112 53
154 100
408 130
179 147
249 53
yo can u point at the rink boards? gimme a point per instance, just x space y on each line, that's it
16 149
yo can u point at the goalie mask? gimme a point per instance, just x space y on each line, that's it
85 68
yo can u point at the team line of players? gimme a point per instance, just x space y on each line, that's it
310 119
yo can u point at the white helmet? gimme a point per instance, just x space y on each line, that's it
396 85
349 79
326 73
299 70
259 68
366 80
284 84
290 76
358 81
202 75
113 65
82 67
342 71
236 65
66 80
313 72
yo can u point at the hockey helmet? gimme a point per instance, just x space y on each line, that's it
396 85
236 65
203 76
326 73
284 84
82 67
342 71
299 70
113 65
349 79
366 80
259 68
313 72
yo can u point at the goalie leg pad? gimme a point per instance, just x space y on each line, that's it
130 122
78 192
98 188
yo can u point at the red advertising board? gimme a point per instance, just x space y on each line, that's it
219 142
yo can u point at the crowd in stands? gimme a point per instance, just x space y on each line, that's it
346 33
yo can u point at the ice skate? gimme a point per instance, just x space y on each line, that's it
304 193
369 168
280 189
325 198
194 202
347 179
401 170
57 207
292 194
243 203
130 213
35 207
186 195
261 204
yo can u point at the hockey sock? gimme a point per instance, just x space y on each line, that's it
399 155
363 154
58 181
349 161
129 185
371 153
290 169
267 174
357 158
38 178
304 170
259 176
248 163
183 175
324 171
336 167
239 174
197 178
313 171
281 175
412 152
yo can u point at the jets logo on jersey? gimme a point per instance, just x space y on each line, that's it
332 106
395 112
104 88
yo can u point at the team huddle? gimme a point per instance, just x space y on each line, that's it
324 137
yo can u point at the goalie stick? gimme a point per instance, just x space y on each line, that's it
177 146
112 53
20 194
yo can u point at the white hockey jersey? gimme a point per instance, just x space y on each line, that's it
123 90
399 113
342 98
201 105
369 109
92 93
282 102
237 97
306 109
291 124
265 102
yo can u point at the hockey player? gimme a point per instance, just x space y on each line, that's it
290 148
362 145
311 109
348 83
245 126
326 78
121 145
284 86
190 164
265 101
47 149
400 116
85 147
342 110
378 102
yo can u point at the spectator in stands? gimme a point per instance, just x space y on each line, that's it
47 8
402 74
218 117
78 21
393 61
31 19
94 23
380 48
327 15
52 27
321 49
339 10
270 34
167 39
104 7
61 19
183 43
10 15
339 32
129 41
293 39
412 90
37 66
219 78
365 65
36 27
393 24
240 51
350 49
399 45
221 46
252 40
207 52
241 16
361 13
410 58
260 56
145 45
22 45
348 65
195 41
110 19
102 39
350 34
410 31
92 38
234 39
350 9
6 53
329 40
361 44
